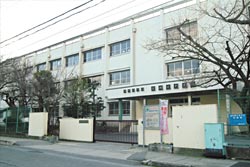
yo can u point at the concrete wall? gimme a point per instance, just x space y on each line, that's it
188 125
76 129
38 124
154 136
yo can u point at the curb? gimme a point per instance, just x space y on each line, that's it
163 164
7 143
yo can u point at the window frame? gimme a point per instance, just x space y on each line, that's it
92 55
97 78
68 83
115 111
185 27
126 107
121 47
75 61
58 65
115 78
41 65
183 71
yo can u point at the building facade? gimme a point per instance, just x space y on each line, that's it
131 75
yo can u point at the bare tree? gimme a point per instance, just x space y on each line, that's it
21 77
222 47
15 82
4 75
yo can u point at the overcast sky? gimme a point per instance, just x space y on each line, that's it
17 16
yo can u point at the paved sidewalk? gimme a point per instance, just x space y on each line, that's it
124 152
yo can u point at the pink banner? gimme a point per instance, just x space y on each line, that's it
164 116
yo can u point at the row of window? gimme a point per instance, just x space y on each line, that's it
114 106
90 55
172 36
179 68
116 78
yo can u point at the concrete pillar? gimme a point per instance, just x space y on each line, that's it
81 57
143 121
48 60
132 52
189 100
105 60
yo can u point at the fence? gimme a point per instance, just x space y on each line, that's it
122 131
14 120
234 104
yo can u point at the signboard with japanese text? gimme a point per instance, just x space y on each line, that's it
237 119
164 116
152 116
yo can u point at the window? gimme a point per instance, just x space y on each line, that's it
95 78
69 83
126 107
118 78
72 60
114 108
92 55
191 29
191 67
41 67
120 47
196 100
174 36
186 67
55 64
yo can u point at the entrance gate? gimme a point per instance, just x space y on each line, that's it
121 131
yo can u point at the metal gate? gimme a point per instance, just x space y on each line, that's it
121 131
14 120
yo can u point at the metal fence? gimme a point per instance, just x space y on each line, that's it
14 120
234 104
121 131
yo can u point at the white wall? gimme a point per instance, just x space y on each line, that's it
56 53
188 125
119 62
76 129
154 136
93 67
38 124
72 48
41 57
147 62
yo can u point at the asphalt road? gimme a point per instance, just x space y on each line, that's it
24 157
